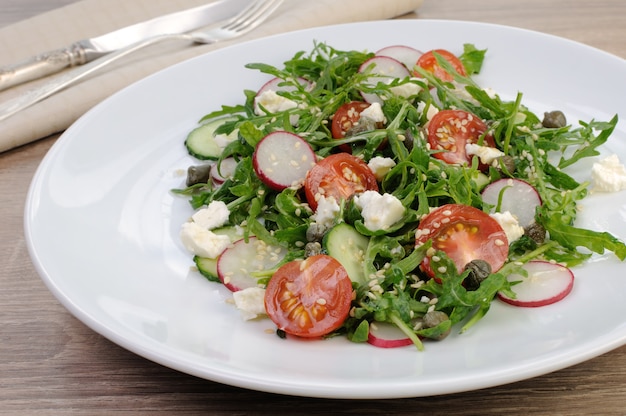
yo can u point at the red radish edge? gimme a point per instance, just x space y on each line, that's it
386 335
282 159
518 197
546 284
402 53
274 85
226 170
382 68
237 261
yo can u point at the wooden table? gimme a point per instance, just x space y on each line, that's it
50 363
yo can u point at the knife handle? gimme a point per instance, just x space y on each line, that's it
42 65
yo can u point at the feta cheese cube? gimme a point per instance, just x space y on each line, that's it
326 212
380 166
379 212
406 90
250 302
608 175
272 102
202 242
374 113
213 216
509 224
430 113
485 153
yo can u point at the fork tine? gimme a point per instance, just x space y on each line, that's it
252 16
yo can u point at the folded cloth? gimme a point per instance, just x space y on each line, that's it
88 18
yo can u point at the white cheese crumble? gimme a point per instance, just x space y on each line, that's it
374 112
406 90
609 175
272 102
379 211
250 302
213 216
509 224
201 241
430 113
485 153
381 166
326 211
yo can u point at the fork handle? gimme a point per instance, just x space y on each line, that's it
42 65
9 108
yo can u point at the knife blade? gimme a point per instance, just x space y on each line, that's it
86 50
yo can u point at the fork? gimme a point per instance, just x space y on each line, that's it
248 19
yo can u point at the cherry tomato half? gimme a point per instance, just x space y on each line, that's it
309 298
464 233
429 63
339 175
451 130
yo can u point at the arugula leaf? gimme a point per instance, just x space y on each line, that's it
573 237
590 142
472 58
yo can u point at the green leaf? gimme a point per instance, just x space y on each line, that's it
472 58
591 142
573 237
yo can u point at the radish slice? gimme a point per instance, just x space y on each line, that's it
383 69
237 262
546 283
518 197
279 84
386 335
405 54
282 159
226 171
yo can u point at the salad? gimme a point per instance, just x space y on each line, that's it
387 197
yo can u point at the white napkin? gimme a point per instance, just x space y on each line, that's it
89 18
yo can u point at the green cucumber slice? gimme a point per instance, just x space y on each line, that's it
347 246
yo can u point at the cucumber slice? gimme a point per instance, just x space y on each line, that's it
201 142
208 267
348 246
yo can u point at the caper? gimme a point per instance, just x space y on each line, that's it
536 232
409 140
198 174
315 232
433 318
554 119
506 165
479 270
312 249
362 126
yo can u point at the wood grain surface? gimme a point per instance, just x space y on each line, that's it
50 363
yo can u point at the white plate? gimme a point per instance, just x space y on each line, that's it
102 228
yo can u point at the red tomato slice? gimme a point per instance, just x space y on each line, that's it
340 176
464 233
309 298
346 117
429 63
451 130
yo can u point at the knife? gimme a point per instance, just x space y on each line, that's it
86 50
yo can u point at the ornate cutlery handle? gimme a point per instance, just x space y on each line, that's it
42 65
